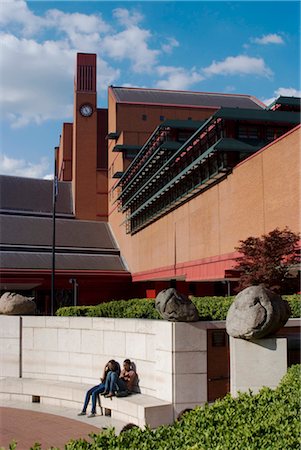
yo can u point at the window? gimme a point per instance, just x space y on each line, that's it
162 118
248 132
144 117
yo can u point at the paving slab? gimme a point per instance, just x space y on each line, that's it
27 423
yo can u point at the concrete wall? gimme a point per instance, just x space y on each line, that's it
10 346
171 358
257 363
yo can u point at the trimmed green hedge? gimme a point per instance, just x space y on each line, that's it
209 308
269 420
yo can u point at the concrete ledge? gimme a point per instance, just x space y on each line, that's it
139 409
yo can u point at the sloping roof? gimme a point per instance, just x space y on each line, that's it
184 98
259 115
29 195
70 233
288 101
63 261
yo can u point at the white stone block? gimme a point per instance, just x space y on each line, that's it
189 336
34 362
190 388
9 357
145 326
45 339
164 362
163 335
150 347
163 384
82 323
9 326
34 321
57 363
103 323
257 363
80 364
27 338
69 340
57 322
135 346
114 343
126 325
190 362
91 342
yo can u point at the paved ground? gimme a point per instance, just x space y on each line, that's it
50 426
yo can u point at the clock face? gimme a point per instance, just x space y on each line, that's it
86 110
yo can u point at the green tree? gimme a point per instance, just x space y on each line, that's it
268 259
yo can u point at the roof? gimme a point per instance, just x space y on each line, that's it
288 101
70 233
183 98
26 243
63 261
258 115
126 147
29 195
182 124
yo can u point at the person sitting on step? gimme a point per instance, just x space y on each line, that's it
111 366
124 384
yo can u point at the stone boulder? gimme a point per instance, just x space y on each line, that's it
256 312
176 307
16 304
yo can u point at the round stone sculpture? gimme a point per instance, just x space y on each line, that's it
256 312
176 307
16 304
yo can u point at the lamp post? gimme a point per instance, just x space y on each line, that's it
74 283
54 197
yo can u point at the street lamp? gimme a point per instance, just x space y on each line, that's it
54 197
74 283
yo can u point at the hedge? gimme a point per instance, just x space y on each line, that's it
209 308
269 420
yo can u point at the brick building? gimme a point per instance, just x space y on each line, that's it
161 186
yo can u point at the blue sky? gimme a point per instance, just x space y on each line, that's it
235 47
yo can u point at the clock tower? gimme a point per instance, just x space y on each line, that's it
84 158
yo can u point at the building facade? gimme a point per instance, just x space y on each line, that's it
173 179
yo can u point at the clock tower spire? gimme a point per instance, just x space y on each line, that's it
84 158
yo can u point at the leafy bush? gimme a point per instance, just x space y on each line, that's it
269 420
209 308
212 308
295 304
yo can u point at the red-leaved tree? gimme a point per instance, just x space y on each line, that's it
268 259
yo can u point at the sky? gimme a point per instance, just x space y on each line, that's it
208 46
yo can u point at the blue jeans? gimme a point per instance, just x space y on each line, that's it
94 391
111 381
114 383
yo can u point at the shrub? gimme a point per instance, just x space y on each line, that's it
269 420
209 308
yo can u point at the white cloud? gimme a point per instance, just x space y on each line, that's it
177 77
239 65
285 92
127 18
268 39
23 168
17 12
37 80
131 44
170 45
